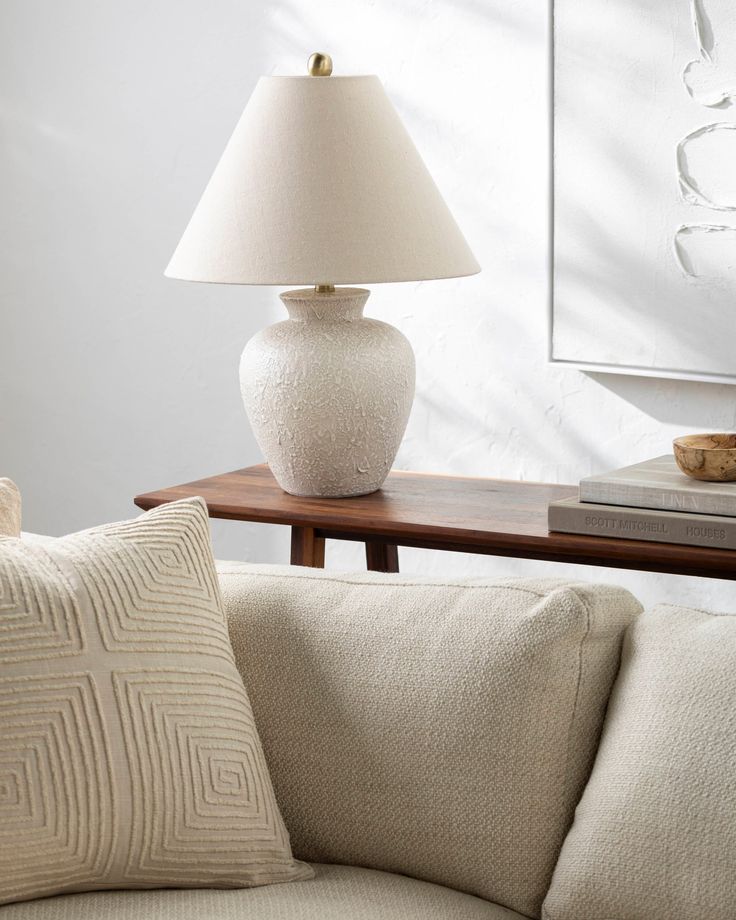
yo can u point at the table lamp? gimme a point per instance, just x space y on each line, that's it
320 184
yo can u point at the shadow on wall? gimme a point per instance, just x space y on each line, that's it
703 406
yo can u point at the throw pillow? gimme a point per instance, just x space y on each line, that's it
129 757
9 509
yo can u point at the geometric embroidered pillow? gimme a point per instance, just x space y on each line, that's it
129 757
9 509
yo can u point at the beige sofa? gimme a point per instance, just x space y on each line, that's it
429 741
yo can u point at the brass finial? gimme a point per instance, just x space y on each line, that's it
320 65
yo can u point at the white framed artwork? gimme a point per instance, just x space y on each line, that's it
644 226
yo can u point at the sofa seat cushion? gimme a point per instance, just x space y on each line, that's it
443 729
335 893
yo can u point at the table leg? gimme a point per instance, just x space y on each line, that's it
382 557
307 548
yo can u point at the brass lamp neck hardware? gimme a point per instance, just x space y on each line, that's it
319 65
324 288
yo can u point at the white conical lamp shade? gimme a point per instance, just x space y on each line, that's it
320 184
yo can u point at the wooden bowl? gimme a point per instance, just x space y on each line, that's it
709 457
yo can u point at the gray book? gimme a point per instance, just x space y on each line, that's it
659 484
572 516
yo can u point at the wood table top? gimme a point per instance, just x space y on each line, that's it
491 516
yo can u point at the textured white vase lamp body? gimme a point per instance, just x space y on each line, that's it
320 184
328 393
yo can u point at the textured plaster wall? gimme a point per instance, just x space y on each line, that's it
114 380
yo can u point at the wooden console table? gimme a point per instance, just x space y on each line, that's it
494 517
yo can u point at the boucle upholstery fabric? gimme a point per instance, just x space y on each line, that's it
128 752
654 836
10 508
443 730
335 893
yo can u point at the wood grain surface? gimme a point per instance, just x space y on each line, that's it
488 516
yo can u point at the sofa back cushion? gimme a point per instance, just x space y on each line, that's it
654 836
9 508
443 730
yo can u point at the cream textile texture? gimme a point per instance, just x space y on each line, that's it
336 893
444 730
654 836
328 153
10 508
128 753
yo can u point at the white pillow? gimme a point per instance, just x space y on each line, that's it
129 757
10 508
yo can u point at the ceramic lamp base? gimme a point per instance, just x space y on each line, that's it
328 394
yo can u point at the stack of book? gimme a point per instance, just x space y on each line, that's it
651 501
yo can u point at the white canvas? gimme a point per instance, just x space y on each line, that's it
645 187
